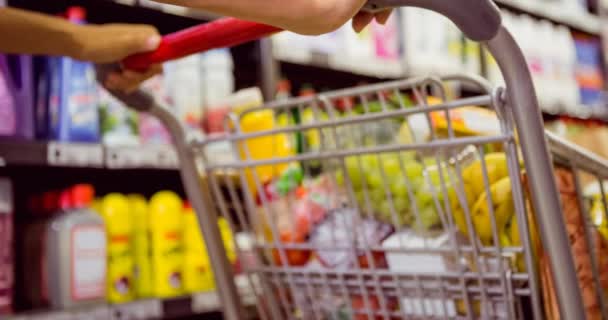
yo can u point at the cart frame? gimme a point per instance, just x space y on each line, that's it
479 20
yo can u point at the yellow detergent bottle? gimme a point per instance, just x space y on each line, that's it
198 275
140 243
114 209
197 269
165 221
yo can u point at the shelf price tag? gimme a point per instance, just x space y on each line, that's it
205 302
51 316
163 157
96 313
138 310
129 157
75 154
167 158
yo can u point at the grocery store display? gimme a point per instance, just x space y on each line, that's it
72 110
77 233
6 246
166 249
362 203
140 241
115 210
197 272
16 97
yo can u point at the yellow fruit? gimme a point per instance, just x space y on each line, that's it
458 212
516 240
405 134
496 166
461 307
502 202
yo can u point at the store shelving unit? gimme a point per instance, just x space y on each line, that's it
63 154
587 23
205 303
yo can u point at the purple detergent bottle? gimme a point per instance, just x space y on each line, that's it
8 117
22 72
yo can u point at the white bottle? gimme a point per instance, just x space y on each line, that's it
568 61
549 55
217 68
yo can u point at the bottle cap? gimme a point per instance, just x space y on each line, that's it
65 200
82 195
76 14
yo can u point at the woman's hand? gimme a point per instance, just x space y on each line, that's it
310 17
114 42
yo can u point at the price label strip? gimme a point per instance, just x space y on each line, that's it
139 310
75 154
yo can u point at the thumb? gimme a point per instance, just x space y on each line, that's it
142 39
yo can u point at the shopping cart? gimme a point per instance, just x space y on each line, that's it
397 266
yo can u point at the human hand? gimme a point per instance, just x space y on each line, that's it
128 80
330 15
114 42
362 19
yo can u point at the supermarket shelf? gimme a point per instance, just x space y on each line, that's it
580 112
61 154
588 23
197 304
377 68
170 9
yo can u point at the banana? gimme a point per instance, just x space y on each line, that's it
502 201
516 240
496 166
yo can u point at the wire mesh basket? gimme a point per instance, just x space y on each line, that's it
380 220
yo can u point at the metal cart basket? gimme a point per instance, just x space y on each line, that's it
460 267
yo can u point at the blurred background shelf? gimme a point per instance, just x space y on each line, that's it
205 305
586 22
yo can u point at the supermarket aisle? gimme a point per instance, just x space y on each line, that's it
394 199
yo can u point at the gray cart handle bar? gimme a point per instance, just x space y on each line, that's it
479 20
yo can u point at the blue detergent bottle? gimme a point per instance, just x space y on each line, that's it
73 114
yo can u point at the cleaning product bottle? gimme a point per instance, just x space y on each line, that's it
6 246
41 97
197 269
8 116
165 216
73 106
185 89
119 124
141 246
75 252
21 67
115 212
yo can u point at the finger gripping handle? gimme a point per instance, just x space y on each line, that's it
479 20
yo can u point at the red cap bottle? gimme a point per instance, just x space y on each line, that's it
82 195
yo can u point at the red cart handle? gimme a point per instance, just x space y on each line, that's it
220 33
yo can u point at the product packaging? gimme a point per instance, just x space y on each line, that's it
167 255
119 124
73 96
74 253
114 209
6 246
140 240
